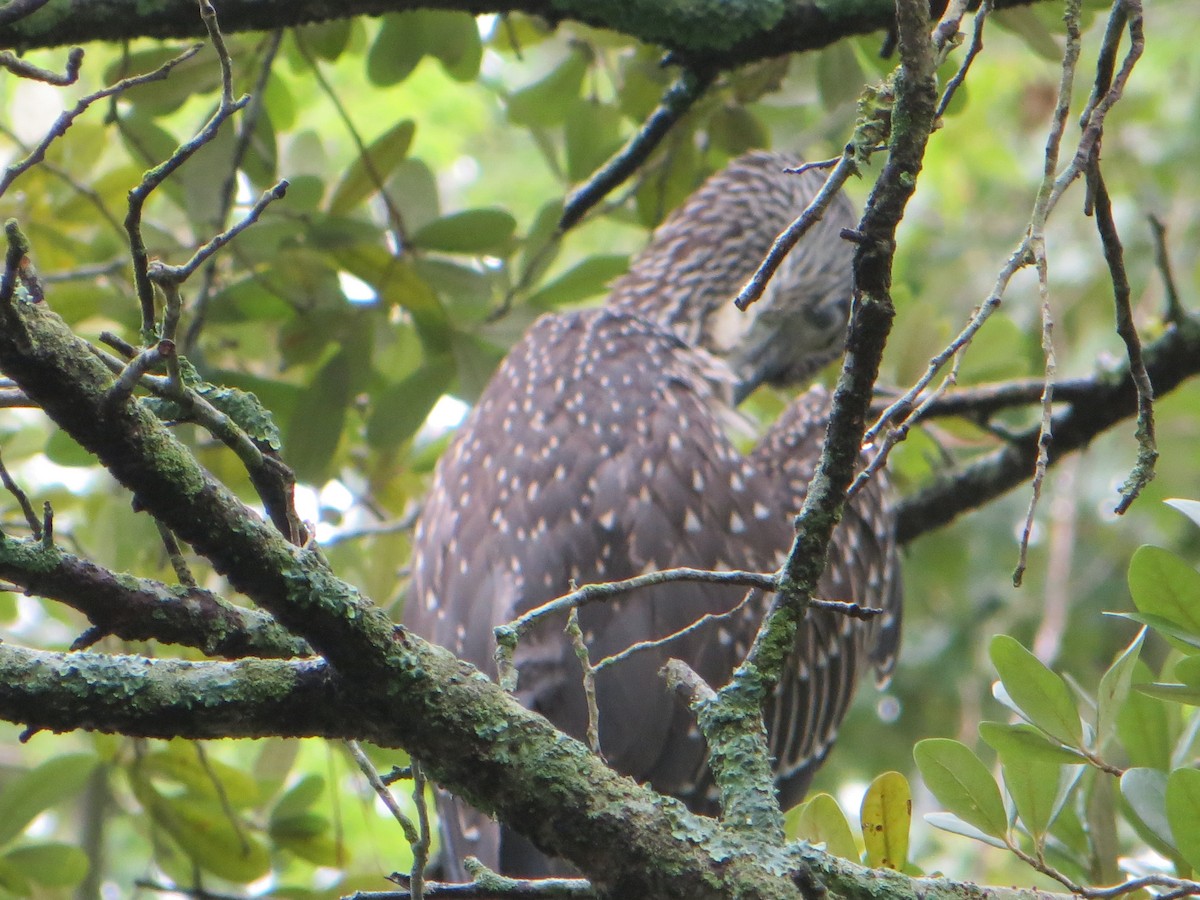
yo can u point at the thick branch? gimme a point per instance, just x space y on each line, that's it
1109 399
714 35
139 609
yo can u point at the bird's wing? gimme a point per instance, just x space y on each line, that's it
597 453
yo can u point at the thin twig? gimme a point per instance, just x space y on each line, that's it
160 173
1114 255
160 272
754 287
31 518
175 555
1174 313
25 69
575 633
245 137
508 635
411 833
67 118
973 49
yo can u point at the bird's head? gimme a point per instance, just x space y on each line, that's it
700 257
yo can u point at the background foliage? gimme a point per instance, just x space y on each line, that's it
454 141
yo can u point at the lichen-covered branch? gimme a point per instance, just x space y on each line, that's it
139 609
711 35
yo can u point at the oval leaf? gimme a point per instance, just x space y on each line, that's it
953 824
962 783
1183 813
368 173
35 791
821 821
470 231
52 865
886 816
1164 585
1114 690
1016 740
1042 696
1145 790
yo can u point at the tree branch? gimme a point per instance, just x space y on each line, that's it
138 609
1107 399
711 35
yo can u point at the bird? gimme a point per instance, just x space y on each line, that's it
605 446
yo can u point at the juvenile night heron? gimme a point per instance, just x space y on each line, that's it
600 451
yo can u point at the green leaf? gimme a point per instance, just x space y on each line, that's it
1175 693
1183 813
180 763
1145 790
453 37
205 833
1033 785
1164 585
592 131
953 824
370 170
327 40
33 792
735 130
314 432
307 835
1042 696
840 78
886 816
1025 23
62 449
299 797
470 231
397 48
1114 689
586 279
820 820
1180 637
1015 740
1143 726
12 880
1187 670
962 783
547 101
51 865
1190 508
400 409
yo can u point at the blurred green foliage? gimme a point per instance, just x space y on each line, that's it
428 154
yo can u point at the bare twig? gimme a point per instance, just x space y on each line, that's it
68 117
160 272
1114 255
976 45
31 518
846 166
575 633
1174 312
25 69
160 173
245 136
508 635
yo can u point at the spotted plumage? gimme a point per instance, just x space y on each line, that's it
601 450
